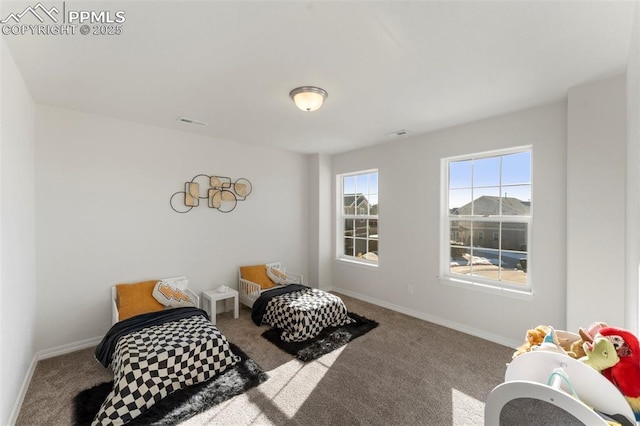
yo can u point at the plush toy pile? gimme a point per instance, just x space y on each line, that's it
614 352
535 338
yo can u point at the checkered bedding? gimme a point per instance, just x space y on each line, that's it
155 361
303 312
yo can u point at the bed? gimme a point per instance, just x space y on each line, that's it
279 299
153 354
300 312
253 281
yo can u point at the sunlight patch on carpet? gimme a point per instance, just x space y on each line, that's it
238 410
466 410
292 383
287 389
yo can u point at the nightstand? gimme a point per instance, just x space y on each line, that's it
210 297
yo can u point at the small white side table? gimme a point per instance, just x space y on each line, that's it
210 297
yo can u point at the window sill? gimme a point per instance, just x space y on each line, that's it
485 288
367 265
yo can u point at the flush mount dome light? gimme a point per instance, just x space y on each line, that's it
308 98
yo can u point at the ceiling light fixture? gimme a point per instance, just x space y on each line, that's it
308 98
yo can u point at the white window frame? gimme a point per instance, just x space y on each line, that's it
477 282
341 217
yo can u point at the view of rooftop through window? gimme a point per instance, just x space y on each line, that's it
360 215
489 213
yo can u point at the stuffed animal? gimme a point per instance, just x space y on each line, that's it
576 349
625 375
600 354
534 336
550 343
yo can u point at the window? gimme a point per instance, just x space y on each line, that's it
487 213
358 217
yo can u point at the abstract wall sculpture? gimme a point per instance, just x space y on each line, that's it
220 192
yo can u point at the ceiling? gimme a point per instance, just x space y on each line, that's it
387 65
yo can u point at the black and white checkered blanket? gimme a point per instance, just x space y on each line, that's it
150 363
300 312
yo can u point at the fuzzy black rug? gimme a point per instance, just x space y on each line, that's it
330 339
182 404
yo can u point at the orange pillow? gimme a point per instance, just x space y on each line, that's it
257 274
135 299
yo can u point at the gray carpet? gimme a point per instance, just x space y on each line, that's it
404 372
534 412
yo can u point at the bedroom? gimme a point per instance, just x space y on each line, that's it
85 191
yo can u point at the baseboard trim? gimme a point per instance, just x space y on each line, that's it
44 354
426 317
13 418
65 349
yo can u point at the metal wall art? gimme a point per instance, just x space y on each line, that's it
221 193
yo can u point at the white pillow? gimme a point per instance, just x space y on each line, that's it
171 296
278 276
179 284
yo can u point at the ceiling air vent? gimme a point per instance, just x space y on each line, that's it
191 121
398 133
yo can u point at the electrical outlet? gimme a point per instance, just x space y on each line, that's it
410 289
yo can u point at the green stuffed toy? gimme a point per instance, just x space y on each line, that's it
601 354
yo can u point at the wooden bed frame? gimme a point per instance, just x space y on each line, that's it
249 291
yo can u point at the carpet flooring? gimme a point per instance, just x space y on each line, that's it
404 372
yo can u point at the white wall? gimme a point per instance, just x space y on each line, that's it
319 222
596 181
409 227
632 245
17 234
103 215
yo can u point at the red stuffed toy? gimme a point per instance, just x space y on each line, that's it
625 375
